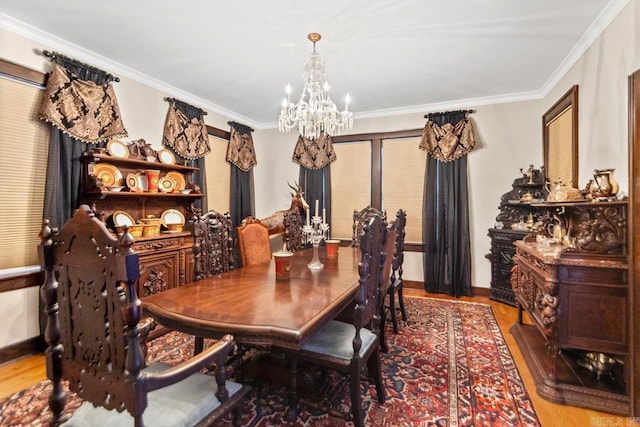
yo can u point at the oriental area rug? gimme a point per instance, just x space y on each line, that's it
449 365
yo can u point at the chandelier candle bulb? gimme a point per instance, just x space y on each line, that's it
317 205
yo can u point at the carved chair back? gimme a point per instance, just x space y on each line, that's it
395 286
293 235
93 337
213 245
98 311
253 243
360 218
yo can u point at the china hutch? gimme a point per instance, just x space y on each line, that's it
514 222
121 190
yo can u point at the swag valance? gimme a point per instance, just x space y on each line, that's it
81 108
185 130
314 154
448 142
240 151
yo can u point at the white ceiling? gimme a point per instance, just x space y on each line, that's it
391 56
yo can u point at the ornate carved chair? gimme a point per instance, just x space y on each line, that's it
253 242
212 249
360 218
293 236
93 338
386 276
213 245
395 281
347 347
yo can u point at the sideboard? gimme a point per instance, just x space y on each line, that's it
573 309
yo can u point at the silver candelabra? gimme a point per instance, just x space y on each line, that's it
315 230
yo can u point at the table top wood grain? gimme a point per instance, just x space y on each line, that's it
257 308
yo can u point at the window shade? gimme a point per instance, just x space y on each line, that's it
403 168
218 176
561 148
23 167
350 186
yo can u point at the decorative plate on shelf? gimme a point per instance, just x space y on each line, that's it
178 178
166 156
109 174
118 149
172 216
137 182
122 218
166 184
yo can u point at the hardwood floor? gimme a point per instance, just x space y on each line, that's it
30 370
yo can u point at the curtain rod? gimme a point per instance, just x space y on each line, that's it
168 99
54 55
240 127
441 113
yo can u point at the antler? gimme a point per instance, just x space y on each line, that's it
297 188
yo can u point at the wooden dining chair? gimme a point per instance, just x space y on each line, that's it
349 347
360 218
395 281
93 339
213 244
212 250
293 235
386 278
253 243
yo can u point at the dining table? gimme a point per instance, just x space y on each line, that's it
256 307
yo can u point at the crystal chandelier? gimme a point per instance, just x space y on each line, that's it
318 114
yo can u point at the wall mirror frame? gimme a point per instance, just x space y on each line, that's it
560 139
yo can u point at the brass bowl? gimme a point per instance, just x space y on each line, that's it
174 227
135 230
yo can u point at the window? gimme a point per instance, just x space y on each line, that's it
23 165
385 170
218 175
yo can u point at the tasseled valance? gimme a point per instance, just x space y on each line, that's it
314 154
83 109
240 151
448 142
185 130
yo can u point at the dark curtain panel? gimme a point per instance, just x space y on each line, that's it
242 196
447 256
62 187
198 178
316 185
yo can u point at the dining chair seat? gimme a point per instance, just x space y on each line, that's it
334 341
181 404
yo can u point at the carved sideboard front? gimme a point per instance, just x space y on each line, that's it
574 336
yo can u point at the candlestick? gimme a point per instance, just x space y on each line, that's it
316 211
314 233
324 215
307 210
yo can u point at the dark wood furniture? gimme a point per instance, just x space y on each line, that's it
258 309
166 259
576 342
395 281
213 246
515 208
349 347
360 218
293 235
94 342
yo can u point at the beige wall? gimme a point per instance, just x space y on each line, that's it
509 138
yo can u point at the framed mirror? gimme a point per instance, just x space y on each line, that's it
560 140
